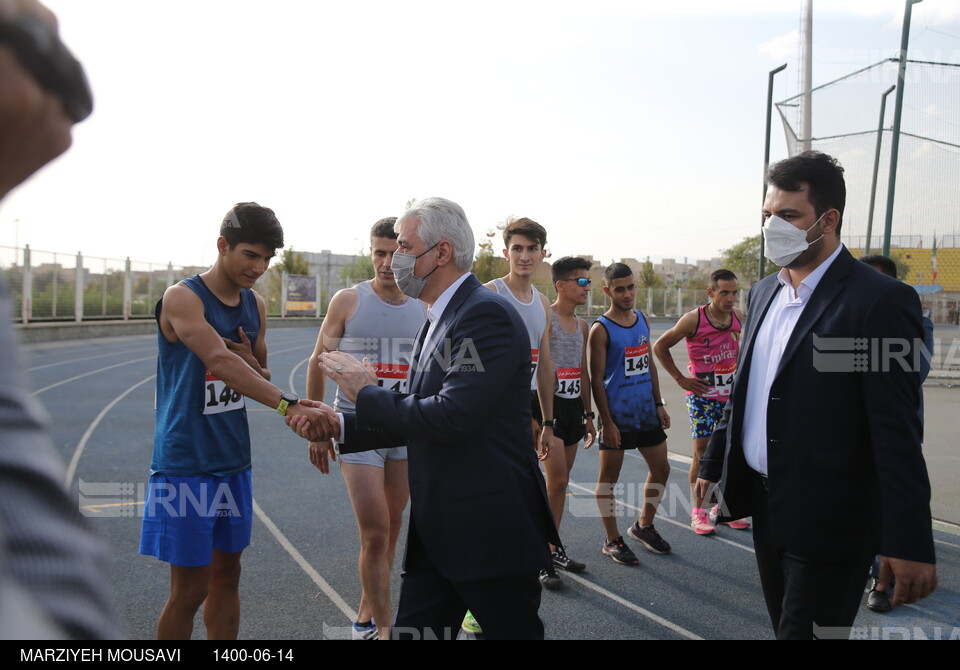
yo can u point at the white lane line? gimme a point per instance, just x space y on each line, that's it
81 445
304 565
110 367
80 360
636 608
685 526
293 373
93 372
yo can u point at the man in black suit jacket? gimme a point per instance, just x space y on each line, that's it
820 441
479 518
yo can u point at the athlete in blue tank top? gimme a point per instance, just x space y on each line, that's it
212 353
626 391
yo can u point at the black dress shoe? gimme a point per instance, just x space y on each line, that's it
877 600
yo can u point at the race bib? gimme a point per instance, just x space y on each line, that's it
393 376
568 383
534 358
723 379
636 360
220 398
719 381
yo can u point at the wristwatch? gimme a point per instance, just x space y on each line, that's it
548 423
589 415
286 399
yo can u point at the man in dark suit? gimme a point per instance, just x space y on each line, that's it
820 441
479 518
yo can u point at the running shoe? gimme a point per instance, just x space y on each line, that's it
619 552
550 580
700 522
470 624
364 631
564 562
649 538
736 524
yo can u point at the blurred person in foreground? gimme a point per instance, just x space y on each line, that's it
52 581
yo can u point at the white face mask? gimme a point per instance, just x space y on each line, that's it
783 242
408 283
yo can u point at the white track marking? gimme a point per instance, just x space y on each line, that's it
93 372
81 445
686 526
304 564
636 608
293 373
79 360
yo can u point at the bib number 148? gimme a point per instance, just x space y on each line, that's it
219 397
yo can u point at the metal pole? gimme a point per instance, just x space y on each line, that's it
766 158
876 167
806 79
897 115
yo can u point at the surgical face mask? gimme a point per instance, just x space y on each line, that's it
408 283
783 242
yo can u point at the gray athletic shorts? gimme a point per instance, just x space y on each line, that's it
375 457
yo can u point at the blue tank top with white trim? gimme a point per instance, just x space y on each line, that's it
201 422
627 377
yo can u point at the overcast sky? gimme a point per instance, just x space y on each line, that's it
628 129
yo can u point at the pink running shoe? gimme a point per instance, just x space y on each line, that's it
736 524
700 522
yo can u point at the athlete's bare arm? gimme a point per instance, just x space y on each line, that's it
255 357
685 327
182 320
585 390
341 308
655 386
598 343
545 381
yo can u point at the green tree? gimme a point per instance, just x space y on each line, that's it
359 270
648 278
292 262
487 265
743 259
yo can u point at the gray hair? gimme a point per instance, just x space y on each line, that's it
442 219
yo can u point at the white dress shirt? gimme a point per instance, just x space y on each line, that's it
772 337
435 311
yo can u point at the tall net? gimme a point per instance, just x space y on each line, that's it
925 233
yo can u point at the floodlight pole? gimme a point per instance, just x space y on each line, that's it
766 158
876 168
897 115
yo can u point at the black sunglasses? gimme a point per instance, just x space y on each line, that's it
581 281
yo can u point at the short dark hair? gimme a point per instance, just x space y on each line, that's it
720 275
616 271
823 176
566 266
250 223
886 265
384 228
527 228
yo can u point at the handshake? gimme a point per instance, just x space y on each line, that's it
317 422
313 420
